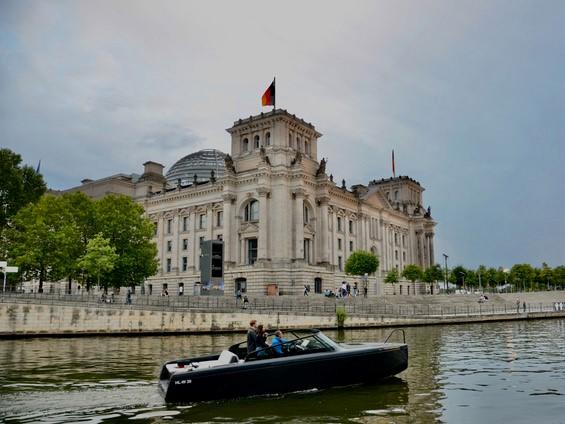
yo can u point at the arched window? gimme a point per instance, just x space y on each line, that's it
307 147
256 141
268 139
290 141
245 145
298 144
396 195
252 211
306 214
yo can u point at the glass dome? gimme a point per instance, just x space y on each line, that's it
200 163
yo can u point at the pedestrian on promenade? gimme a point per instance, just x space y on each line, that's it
517 306
128 297
524 306
306 290
245 302
355 288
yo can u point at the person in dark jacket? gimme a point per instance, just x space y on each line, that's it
262 344
252 336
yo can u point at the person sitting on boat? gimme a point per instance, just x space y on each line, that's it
278 342
262 345
252 336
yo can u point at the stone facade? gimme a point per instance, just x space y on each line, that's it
282 218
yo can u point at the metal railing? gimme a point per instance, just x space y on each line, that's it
300 305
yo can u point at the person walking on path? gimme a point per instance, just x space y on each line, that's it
517 306
524 306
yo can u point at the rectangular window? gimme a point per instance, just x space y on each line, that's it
169 226
185 244
202 221
168 264
185 223
403 241
351 246
169 245
220 237
350 227
338 244
307 244
200 241
404 256
251 251
219 219
184 263
339 264
396 254
155 229
338 223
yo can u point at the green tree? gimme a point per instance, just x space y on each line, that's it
458 275
121 221
19 185
545 276
361 262
413 273
40 239
559 276
82 215
432 274
392 278
522 276
99 258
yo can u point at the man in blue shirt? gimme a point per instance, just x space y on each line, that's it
277 342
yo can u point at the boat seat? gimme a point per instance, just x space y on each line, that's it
225 358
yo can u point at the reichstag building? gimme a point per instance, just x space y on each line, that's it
283 221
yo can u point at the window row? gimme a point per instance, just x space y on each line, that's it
257 144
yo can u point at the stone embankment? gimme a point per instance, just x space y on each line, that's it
44 315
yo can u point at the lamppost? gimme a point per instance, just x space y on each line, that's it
445 282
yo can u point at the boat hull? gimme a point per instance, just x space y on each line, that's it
286 374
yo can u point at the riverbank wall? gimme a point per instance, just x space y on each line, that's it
33 320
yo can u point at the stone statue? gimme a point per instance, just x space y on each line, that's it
264 156
230 167
343 184
297 158
322 168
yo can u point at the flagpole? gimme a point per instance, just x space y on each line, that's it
275 99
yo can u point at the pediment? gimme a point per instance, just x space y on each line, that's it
248 227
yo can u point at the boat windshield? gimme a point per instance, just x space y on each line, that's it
299 345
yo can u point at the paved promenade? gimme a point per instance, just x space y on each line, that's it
44 314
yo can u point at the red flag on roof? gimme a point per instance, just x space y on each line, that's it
268 98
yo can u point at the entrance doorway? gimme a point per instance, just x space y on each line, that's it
317 285
240 285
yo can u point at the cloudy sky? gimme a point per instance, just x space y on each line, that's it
469 94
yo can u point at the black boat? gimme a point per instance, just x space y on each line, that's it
310 360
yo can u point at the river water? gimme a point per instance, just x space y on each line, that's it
475 373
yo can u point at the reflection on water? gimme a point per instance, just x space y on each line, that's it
491 372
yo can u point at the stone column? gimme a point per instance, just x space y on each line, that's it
298 223
209 221
262 248
432 255
160 241
195 244
324 230
229 256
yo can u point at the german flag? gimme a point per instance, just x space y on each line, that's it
268 98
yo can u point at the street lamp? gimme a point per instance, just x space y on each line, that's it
445 257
